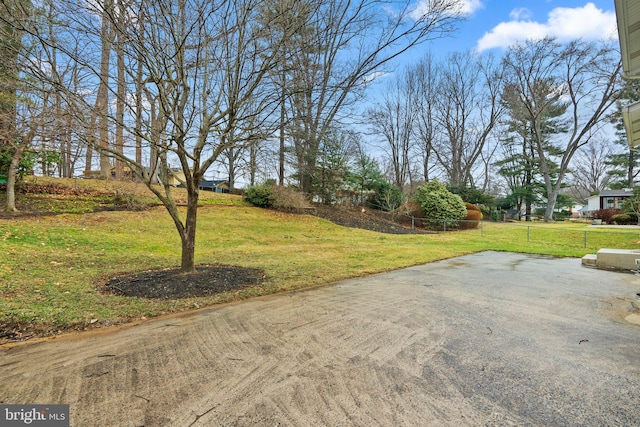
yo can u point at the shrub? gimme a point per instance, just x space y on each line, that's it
622 219
472 195
439 204
386 197
260 195
277 197
605 214
289 199
471 207
473 218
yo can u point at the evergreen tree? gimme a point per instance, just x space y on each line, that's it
520 166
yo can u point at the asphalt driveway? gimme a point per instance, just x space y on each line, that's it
485 339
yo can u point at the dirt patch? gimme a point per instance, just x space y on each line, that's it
171 283
12 331
373 220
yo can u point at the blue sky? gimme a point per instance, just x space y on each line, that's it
496 24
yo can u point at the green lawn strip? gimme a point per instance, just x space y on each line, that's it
50 266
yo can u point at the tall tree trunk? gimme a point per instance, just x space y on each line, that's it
139 91
121 91
232 168
12 176
188 235
282 125
630 172
103 91
253 163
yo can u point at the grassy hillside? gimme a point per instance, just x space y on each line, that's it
44 195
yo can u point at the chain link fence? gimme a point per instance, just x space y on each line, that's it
564 233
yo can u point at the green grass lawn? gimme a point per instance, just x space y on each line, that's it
50 266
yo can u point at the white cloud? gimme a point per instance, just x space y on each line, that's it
374 76
588 23
463 7
520 14
468 7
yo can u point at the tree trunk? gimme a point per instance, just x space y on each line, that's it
188 237
103 94
232 169
121 93
11 178
253 164
282 124
188 234
551 204
139 90
630 174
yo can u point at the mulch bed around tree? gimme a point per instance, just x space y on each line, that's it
171 283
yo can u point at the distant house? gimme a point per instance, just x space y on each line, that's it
175 178
217 186
608 199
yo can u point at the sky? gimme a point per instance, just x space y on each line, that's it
494 25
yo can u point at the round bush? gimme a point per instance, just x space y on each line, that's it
473 218
471 207
439 204
260 195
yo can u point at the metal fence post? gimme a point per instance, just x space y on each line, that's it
585 238
413 222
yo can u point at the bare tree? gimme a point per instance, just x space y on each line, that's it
102 99
121 24
395 118
291 23
349 45
424 75
203 63
467 110
584 77
590 170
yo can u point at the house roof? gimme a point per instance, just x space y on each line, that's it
613 193
213 183
628 17
204 184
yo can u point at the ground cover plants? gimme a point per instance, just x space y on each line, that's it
54 268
